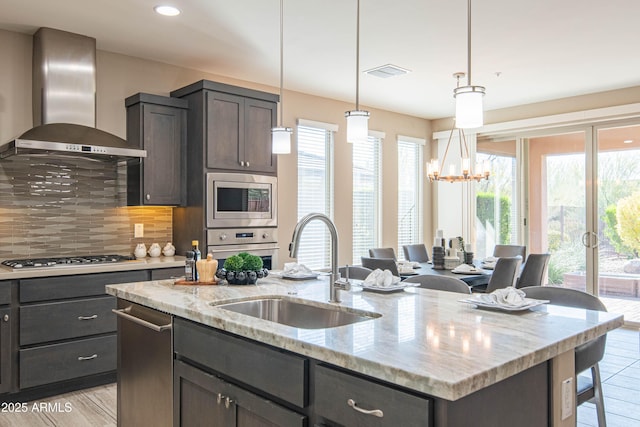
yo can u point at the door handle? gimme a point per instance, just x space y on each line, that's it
124 313
588 237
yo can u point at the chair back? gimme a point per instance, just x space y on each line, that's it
534 271
381 263
587 354
383 253
440 283
504 273
500 251
416 253
355 272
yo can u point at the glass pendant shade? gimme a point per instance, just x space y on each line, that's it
469 111
357 125
281 140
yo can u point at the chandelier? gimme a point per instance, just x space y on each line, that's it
435 170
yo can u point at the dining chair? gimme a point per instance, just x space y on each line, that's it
416 253
534 270
509 251
505 273
383 253
355 272
440 283
381 263
587 355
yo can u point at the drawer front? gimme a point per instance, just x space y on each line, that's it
275 372
69 319
58 362
5 292
333 389
81 285
167 273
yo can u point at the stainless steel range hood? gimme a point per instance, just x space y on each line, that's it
64 102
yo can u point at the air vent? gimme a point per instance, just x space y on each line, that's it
386 71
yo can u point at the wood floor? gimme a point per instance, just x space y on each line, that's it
620 370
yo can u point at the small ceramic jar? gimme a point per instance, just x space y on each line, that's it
169 250
154 250
140 251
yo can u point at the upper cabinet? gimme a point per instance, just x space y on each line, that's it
157 124
230 127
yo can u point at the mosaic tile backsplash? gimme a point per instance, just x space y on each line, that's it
56 206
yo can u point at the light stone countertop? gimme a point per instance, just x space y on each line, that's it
425 340
6 273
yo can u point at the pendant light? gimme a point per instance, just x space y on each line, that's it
469 98
357 120
281 136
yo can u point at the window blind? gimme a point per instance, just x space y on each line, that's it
409 187
366 196
315 193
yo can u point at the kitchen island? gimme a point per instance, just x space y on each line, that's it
463 360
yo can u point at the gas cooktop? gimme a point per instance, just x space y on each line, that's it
65 261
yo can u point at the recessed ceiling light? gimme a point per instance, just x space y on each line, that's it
628 141
167 10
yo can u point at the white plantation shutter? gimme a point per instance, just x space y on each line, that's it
315 190
409 190
366 196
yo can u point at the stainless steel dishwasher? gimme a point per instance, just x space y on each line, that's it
145 366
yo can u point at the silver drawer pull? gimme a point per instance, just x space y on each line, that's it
374 412
95 316
227 402
219 399
93 356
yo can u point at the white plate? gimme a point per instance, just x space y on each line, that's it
393 288
527 304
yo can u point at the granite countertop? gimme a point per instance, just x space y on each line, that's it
6 273
425 340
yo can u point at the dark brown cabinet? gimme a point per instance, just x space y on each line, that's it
217 398
6 320
230 127
158 125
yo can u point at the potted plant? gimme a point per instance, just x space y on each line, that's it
242 269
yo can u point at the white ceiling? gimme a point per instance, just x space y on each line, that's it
523 51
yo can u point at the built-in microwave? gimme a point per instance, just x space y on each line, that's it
241 200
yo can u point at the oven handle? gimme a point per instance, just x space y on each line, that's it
124 313
219 251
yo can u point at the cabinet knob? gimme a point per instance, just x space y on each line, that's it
223 236
241 162
227 402
265 235
247 164
148 196
219 399
5 318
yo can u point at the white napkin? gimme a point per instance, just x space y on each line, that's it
405 267
381 279
465 268
295 269
509 297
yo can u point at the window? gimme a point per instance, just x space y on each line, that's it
366 196
409 189
315 190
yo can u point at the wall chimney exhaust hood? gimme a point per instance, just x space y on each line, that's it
64 103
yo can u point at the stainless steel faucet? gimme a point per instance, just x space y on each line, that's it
335 284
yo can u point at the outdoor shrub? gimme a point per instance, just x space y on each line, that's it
628 216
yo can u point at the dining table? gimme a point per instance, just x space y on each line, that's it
477 281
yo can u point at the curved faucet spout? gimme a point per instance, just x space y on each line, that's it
295 243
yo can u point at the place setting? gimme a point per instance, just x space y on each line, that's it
507 299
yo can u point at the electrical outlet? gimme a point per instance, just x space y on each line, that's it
568 391
138 230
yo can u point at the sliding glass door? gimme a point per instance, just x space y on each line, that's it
618 219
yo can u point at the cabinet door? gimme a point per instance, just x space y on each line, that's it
5 349
224 131
260 117
164 130
195 399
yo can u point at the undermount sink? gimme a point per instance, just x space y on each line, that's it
299 314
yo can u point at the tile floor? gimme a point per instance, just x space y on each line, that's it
620 370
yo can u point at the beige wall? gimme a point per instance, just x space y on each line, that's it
120 76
